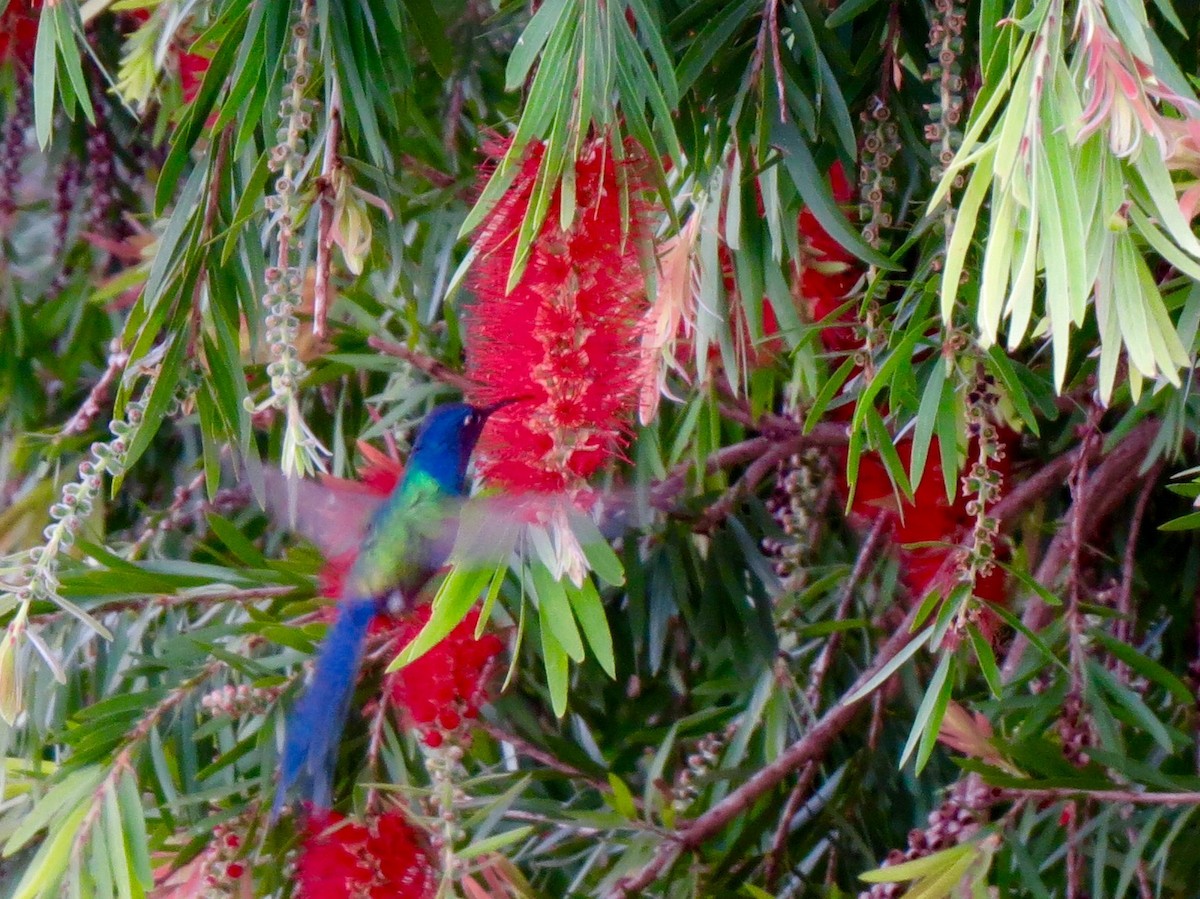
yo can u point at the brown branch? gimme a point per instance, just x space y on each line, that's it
539 755
813 744
1134 797
824 434
1123 629
325 200
87 412
422 362
1109 485
772 26
867 556
794 803
375 746
755 472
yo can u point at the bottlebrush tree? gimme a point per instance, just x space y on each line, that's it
840 534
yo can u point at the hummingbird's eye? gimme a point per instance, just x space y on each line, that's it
469 419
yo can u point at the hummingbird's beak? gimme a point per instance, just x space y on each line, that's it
486 411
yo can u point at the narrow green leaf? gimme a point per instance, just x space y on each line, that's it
931 398
557 671
929 714
848 11
814 191
457 593
1001 366
589 611
554 611
986 658
525 53
495 843
48 864
113 831
622 799
919 867
964 229
1145 666
890 668
44 72
68 48
67 792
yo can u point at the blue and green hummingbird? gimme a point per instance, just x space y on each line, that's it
407 541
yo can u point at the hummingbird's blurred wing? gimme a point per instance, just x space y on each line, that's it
331 512
335 514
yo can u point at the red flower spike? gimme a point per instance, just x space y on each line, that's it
567 336
386 858
447 684
828 276
18 31
192 67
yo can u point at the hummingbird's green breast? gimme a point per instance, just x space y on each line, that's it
406 541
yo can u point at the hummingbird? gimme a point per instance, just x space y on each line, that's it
407 540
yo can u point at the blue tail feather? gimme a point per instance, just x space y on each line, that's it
314 727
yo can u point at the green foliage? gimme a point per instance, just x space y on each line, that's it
745 688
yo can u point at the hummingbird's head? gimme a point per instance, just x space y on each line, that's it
444 442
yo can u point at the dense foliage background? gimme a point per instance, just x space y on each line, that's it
900 304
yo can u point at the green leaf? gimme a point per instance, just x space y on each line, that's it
930 713
1188 522
161 393
589 610
457 593
814 190
964 229
986 658
554 611
830 389
622 799
894 665
114 838
44 72
423 14
931 398
525 53
926 866
600 555
67 792
1145 666
1133 704
1001 366
48 865
557 670
886 449
68 48
848 11
494 843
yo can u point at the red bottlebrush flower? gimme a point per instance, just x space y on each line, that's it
829 271
567 336
386 858
826 279
192 67
447 685
18 31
